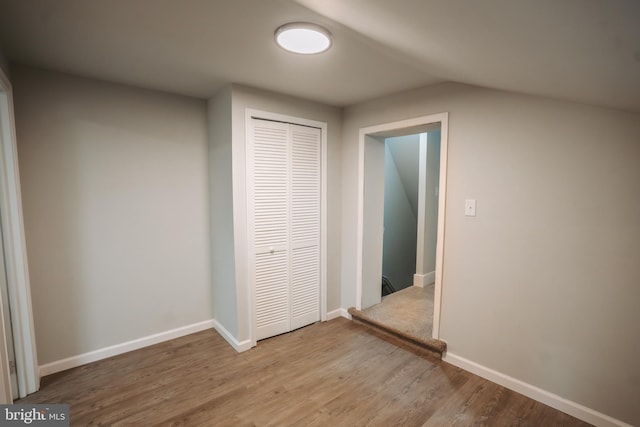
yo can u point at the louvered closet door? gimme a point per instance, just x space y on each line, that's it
284 225
305 225
268 208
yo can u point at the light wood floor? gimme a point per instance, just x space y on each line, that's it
336 373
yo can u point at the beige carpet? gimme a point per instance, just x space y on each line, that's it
409 311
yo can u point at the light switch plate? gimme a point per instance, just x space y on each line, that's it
470 207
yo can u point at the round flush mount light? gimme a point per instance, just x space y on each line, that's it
303 37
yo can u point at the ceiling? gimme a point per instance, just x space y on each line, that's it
581 50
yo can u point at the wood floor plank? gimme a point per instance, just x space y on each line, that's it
335 373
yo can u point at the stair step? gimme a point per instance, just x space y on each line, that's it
434 346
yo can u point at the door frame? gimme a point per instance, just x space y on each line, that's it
15 252
251 113
406 127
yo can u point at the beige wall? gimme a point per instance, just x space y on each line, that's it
222 242
543 284
115 197
245 97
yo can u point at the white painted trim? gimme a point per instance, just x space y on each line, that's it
360 225
560 403
125 347
338 312
324 220
6 389
239 346
422 206
245 261
323 126
15 251
422 280
442 200
443 119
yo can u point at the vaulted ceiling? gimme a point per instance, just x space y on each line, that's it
581 50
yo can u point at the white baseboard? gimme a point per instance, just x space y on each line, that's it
114 350
239 346
429 278
560 403
338 312
422 280
333 314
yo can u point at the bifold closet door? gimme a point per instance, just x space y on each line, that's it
283 163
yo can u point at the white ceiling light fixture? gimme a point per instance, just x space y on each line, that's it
303 37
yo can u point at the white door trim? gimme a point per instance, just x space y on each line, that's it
249 114
15 252
443 119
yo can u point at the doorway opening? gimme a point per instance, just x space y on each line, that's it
400 225
411 189
379 233
411 179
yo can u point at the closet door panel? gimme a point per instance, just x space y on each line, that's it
268 202
272 294
305 225
270 185
305 279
